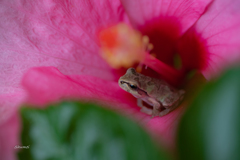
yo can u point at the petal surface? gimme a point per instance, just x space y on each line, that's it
219 27
47 84
62 34
185 12
54 33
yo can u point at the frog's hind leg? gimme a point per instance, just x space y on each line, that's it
167 110
144 109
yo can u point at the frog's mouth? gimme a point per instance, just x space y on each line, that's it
142 92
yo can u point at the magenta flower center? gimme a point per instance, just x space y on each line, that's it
168 41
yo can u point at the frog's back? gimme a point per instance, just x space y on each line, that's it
172 98
165 93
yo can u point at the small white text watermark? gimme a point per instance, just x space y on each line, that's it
22 147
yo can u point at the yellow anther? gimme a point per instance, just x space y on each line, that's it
122 46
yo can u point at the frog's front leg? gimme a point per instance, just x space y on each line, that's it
144 109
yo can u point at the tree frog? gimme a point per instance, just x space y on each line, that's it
155 92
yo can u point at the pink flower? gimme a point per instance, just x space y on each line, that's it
63 36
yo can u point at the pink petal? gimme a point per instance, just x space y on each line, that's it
220 29
185 12
47 84
53 33
9 137
9 122
49 33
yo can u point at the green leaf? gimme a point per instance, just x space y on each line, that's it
210 129
79 131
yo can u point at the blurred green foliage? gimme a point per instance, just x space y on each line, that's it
210 129
80 131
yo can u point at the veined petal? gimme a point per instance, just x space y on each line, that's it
184 11
220 27
53 33
47 84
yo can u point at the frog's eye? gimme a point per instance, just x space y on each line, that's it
133 86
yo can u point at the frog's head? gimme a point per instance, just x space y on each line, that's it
130 82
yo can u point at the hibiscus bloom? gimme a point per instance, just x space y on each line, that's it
63 35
